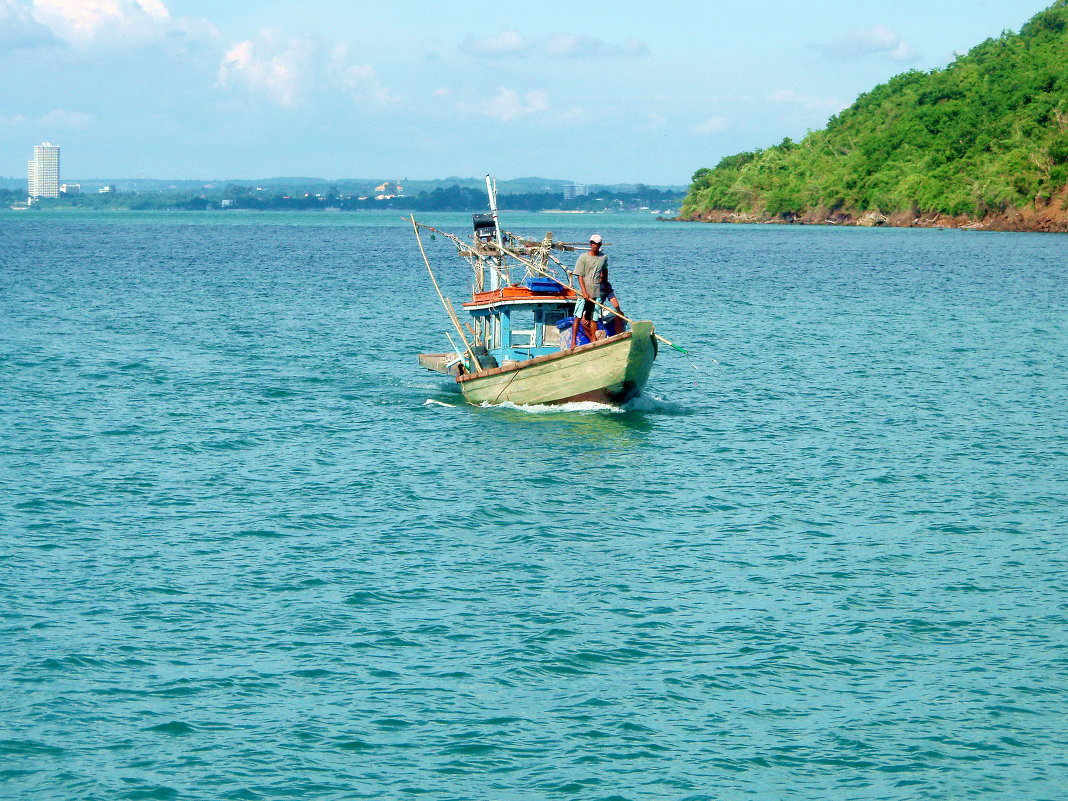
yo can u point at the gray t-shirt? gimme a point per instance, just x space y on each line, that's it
590 269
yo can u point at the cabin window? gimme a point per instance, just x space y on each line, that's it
550 334
522 328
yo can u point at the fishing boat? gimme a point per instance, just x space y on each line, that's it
520 343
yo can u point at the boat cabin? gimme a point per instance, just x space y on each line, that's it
519 322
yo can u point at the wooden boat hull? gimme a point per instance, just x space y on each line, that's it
611 371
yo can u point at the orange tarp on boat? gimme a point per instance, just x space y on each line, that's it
518 293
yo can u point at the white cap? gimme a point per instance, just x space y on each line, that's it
596 238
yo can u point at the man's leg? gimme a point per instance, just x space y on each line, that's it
587 321
576 321
615 322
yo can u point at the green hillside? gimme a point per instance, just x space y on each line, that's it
986 138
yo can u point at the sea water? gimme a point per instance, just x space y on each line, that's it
249 550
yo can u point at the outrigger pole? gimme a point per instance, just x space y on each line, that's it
449 310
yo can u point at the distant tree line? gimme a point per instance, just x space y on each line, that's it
454 198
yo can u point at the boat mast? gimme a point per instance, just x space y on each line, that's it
495 275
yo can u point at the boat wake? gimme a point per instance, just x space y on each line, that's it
432 402
642 403
557 408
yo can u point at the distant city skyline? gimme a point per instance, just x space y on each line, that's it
594 93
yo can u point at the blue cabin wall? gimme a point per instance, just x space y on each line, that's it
506 351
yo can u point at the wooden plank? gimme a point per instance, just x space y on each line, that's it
436 361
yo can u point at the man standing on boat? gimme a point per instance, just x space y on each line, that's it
590 269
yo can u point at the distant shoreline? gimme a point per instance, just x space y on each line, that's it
1047 220
80 210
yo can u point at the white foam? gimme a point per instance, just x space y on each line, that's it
558 408
432 402
642 403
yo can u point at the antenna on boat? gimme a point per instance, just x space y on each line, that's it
491 191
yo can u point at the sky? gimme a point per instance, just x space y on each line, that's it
589 91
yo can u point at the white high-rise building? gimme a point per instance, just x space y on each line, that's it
43 171
572 191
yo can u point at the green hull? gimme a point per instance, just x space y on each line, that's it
610 371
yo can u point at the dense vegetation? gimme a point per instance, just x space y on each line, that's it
987 135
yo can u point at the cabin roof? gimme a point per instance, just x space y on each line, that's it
518 296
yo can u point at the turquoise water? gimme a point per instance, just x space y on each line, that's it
249 551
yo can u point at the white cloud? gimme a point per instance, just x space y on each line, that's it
66 120
875 41
18 28
359 80
827 104
58 119
903 52
83 23
712 125
272 66
508 105
288 70
573 46
79 21
442 91
505 43
560 45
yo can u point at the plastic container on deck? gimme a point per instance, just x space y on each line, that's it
565 333
544 285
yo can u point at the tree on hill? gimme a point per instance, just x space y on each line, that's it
987 135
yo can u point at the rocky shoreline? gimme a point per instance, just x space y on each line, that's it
1051 217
